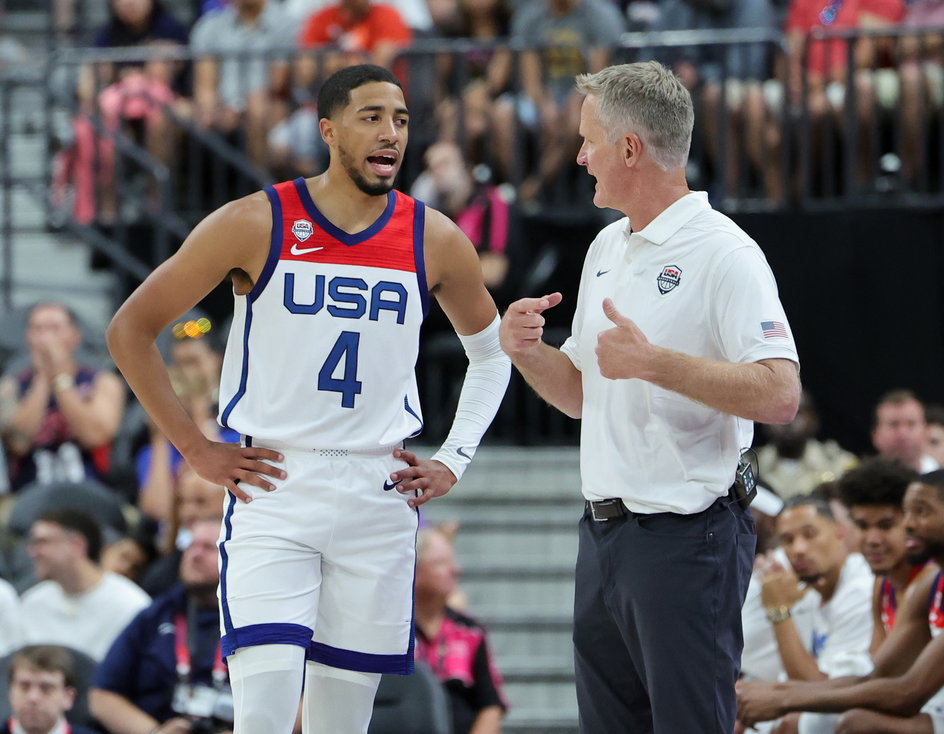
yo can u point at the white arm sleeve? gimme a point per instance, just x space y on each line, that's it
482 390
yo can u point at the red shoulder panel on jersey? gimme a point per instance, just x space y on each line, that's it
306 234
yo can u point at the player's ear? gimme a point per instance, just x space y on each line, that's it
326 127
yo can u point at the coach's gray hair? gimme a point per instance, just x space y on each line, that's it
648 99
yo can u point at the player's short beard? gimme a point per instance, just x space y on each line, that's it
380 188
811 579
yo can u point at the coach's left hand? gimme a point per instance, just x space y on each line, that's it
623 352
431 478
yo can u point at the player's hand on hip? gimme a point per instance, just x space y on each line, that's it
623 352
522 326
430 478
229 465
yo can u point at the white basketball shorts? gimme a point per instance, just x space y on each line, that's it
325 561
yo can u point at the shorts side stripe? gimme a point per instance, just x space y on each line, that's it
224 563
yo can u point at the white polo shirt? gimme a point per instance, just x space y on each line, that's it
693 281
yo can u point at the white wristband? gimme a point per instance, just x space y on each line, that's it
482 391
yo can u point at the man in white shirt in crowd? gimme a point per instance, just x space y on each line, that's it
76 603
841 583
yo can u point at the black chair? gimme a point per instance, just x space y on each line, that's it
411 704
79 715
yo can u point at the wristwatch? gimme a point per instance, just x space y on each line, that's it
63 381
776 615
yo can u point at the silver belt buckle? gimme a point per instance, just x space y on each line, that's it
593 512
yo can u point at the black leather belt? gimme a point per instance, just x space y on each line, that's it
609 509
612 508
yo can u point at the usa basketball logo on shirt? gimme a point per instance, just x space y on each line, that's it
302 229
669 278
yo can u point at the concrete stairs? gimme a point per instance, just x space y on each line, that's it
517 510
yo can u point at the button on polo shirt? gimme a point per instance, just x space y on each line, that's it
694 282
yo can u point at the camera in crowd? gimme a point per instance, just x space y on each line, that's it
209 709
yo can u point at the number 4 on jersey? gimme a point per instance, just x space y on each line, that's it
345 348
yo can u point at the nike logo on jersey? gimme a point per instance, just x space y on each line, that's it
390 485
599 272
463 454
296 250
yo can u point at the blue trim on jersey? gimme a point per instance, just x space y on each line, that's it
363 662
408 409
270 633
419 253
275 244
224 563
339 234
244 376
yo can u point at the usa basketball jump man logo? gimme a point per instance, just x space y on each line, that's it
669 278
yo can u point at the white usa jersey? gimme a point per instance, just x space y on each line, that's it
322 351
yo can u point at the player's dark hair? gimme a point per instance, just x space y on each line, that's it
876 481
79 522
819 504
48 658
335 93
933 479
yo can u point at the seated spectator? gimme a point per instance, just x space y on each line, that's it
920 60
417 14
239 81
129 95
42 691
873 492
825 76
66 414
165 671
66 606
903 691
742 66
934 444
473 80
840 623
452 644
128 555
793 461
11 619
565 38
481 211
899 430
828 492
194 499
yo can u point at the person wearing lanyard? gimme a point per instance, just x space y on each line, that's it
42 688
165 673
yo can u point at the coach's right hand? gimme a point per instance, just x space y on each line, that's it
522 326
229 464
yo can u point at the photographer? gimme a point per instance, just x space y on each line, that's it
165 674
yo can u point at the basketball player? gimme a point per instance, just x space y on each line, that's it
331 277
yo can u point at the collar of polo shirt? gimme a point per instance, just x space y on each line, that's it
673 217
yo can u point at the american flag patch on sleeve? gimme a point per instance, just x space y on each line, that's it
773 329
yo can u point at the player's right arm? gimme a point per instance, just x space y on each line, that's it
232 240
548 370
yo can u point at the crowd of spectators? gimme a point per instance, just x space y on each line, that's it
496 78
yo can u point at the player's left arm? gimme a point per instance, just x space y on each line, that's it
454 276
